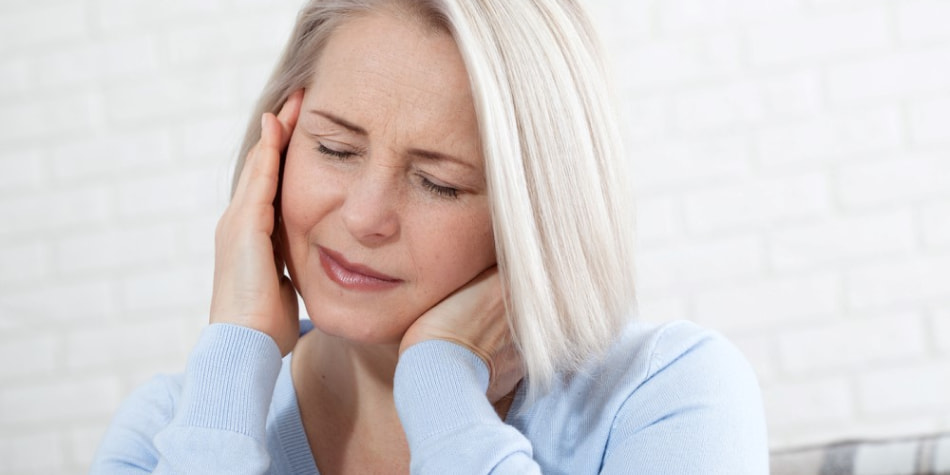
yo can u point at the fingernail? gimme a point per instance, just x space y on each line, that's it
263 118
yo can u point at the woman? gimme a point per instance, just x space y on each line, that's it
441 181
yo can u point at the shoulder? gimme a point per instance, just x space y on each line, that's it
128 442
650 362
668 398
643 351
691 395
152 404
680 347
699 365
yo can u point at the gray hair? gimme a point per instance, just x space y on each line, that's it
553 158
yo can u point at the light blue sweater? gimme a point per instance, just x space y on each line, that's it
671 399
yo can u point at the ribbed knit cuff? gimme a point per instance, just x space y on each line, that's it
229 380
440 386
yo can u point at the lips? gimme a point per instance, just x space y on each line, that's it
354 276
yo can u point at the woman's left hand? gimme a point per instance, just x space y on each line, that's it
474 316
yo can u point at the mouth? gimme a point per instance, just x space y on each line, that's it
354 276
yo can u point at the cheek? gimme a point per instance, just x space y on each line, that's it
292 195
456 252
481 244
307 191
479 237
303 204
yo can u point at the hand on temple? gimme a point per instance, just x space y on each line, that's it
250 288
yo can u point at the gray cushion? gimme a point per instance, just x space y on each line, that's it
925 455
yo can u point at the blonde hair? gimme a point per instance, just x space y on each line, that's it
553 159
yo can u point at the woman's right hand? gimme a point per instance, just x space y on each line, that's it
474 317
250 288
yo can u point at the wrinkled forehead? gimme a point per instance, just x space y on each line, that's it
390 78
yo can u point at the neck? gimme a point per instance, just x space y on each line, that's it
349 373
354 380
344 393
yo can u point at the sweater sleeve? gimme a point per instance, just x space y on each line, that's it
210 421
699 411
451 427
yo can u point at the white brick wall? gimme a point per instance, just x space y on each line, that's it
765 303
928 118
907 72
840 240
820 400
815 37
757 203
792 161
813 138
833 346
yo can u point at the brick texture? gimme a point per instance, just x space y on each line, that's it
790 163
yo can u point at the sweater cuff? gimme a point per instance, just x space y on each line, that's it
229 380
440 387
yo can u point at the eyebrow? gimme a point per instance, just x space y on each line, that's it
340 121
420 153
436 156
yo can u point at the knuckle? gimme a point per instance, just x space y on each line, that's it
221 228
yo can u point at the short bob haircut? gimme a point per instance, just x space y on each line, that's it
553 158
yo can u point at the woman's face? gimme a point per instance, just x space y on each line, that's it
384 203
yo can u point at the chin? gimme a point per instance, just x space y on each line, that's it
357 326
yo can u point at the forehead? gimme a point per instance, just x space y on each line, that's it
394 65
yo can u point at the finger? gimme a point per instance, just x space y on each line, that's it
253 166
241 187
508 370
487 286
263 160
287 117
275 135
258 184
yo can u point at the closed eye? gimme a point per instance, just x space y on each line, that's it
443 191
340 154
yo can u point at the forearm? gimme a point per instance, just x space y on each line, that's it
450 424
214 423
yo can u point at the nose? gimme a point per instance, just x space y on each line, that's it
370 210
